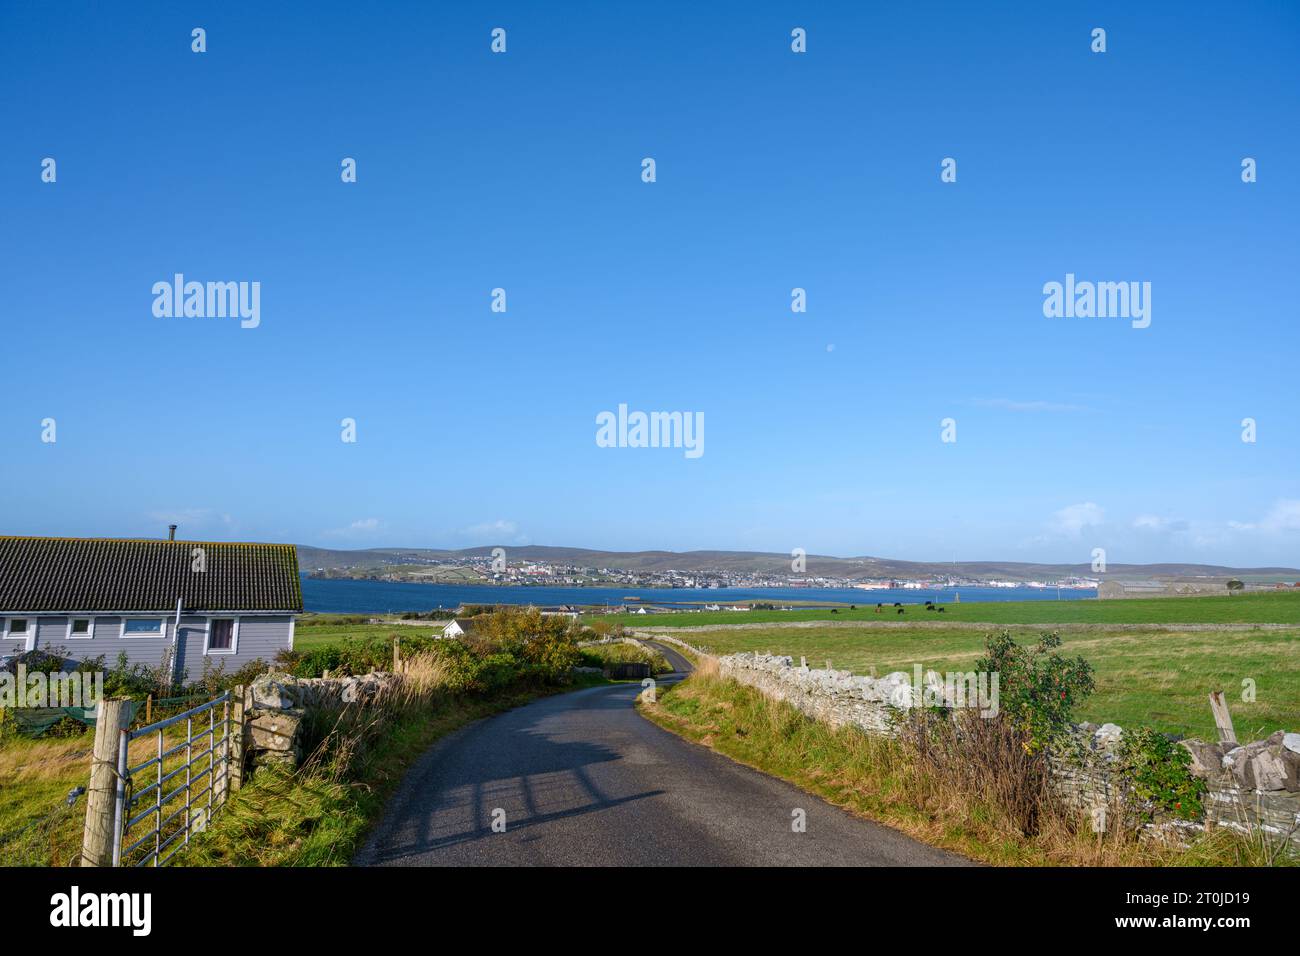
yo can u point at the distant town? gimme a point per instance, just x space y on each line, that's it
490 570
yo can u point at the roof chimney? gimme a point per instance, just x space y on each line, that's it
171 532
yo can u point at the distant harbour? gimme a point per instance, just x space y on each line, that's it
350 596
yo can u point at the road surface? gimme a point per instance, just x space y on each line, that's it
583 779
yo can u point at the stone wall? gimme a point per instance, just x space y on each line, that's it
669 639
277 704
835 697
1252 786
610 640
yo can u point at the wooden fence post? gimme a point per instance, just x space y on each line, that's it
236 766
1222 719
397 655
148 709
113 718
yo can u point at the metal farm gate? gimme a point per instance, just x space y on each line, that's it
150 823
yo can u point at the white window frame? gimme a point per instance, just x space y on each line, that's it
89 635
234 636
161 632
28 637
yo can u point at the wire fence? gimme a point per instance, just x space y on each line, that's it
188 754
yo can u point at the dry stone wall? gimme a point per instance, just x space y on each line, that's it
277 704
1251 786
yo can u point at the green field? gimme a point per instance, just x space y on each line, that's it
316 632
1260 607
1154 677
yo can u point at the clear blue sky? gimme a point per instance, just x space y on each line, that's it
775 170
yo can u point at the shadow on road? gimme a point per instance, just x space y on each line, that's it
530 772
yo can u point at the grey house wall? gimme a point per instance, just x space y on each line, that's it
260 636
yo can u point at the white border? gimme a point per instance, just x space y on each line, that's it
161 632
90 634
234 637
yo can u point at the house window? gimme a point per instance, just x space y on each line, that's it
17 628
81 628
222 632
142 627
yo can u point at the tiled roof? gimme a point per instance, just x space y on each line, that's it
115 574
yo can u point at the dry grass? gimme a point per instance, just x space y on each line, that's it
43 759
706 667
339 740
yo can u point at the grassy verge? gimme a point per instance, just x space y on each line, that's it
875 778
599 655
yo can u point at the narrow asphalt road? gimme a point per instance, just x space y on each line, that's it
583 779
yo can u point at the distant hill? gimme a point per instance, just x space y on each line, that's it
310 559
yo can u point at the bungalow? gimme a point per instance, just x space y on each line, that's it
459 627
157 601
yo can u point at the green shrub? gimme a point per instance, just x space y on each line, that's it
66 727
214 678
1038 688
1158 774
507 646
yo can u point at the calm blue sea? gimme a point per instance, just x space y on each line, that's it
373 597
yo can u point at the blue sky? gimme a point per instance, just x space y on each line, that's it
775 170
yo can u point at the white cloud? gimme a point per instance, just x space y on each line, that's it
494 532
1284 516
1072 519
362 527
1160 525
